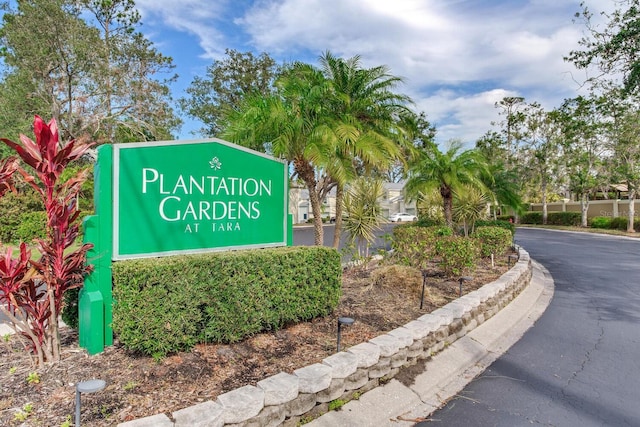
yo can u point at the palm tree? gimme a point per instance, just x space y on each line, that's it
470 206
364 122
289 125
448 172
503 187
364 215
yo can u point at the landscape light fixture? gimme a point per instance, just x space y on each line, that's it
424 284
90 386
347 321
462 280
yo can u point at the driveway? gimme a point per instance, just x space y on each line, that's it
580 364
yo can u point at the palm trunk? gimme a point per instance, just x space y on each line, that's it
338 224
306 172
447 202
318 232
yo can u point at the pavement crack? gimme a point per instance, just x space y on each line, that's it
587 356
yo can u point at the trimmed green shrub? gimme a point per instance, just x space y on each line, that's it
413 245
164 305
620 223
457 254
531 218
493 240
564 218
600 222
553 218
12 208
497 223
33 225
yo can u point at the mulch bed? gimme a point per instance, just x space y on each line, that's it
139 386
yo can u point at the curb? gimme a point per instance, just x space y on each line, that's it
449 371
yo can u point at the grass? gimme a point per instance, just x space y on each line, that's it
35 253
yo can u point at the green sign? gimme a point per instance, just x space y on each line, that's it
168 198
189 197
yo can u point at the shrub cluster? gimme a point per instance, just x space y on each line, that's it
413 245
553 218
416 246
164 305
12 210
509 225
618 223
492 240
428 222
457 254
600 222
33 225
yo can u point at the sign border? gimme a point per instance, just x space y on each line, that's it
116 256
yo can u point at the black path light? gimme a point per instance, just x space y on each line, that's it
462 280
347 321
90 386
424 284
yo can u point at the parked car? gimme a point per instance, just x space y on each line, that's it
399 217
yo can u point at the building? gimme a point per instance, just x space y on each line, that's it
392 202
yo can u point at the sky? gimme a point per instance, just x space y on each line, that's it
457 57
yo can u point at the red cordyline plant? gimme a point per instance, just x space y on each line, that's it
31 292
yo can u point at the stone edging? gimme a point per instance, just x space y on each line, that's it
287 399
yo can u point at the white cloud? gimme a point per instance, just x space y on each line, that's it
463 117
199 18
458 57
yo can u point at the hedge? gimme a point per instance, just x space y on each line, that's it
618 223
164 305
600 222
553 218
33 225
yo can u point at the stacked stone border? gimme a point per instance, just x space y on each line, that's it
291 399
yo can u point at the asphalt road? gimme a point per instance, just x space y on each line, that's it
579 365
303 236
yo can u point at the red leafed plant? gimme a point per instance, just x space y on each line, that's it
31 292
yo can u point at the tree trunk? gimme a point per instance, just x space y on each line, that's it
584 206
338 224
545 213
632 210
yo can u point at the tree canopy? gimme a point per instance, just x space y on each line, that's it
84 64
